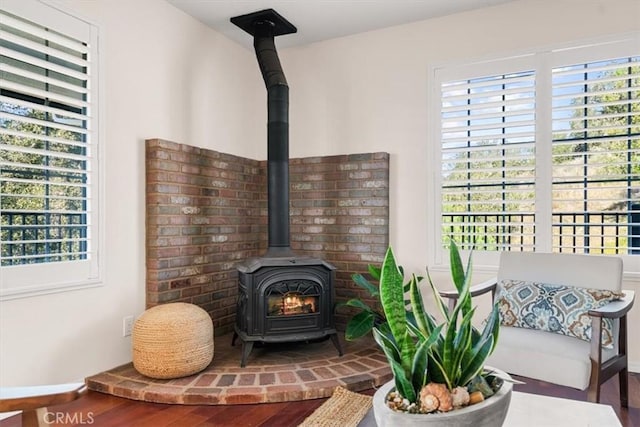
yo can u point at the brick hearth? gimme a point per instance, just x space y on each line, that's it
286 372
205 212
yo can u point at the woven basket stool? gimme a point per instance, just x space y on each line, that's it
172 340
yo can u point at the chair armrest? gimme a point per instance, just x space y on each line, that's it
30 398
475 290
615 309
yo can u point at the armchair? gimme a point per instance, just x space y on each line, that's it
553 357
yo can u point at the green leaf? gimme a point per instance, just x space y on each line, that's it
392 298
407 351
374 271
495 319
480 383
475 365
354 302
463 337
384 329
413 329
490 331
387 345
420 361
448 355
417 307
492 327
361 281
440 303
359 325
451 357
419 367
437 373
400 375
462 345
475 336
467 285
457 270
403 384
461 277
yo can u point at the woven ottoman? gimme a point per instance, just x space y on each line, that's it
172 340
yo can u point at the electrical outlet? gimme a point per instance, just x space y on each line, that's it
127 326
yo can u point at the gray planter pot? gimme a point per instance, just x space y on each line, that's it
489 413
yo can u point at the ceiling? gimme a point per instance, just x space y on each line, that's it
319 20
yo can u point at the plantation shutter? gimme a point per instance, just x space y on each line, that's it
48 148
488 161
596 157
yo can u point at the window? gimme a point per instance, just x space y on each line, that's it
596 157
49 197
541 152
488 161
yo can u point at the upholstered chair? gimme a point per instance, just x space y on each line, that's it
564 319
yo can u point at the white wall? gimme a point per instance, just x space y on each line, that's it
368 92
167 76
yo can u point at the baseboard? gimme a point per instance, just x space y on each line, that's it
634 367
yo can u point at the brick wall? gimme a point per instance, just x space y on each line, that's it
340 213
207 210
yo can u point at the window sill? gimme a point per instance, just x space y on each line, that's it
19 293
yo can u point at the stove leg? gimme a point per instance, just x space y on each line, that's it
336 343
247 346
233 339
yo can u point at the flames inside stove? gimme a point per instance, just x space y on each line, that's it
292 304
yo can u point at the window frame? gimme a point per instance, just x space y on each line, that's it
541 61
21 281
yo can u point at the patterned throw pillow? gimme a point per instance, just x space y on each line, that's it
554 308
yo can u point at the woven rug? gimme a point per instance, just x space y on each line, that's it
343 409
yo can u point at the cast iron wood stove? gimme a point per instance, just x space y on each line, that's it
281 297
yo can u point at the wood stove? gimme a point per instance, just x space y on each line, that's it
283 300
281 297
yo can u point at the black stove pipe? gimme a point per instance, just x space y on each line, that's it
277 140
264 26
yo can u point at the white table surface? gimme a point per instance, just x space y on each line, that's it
531 410
544 411
38 390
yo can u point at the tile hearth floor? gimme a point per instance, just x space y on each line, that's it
274 373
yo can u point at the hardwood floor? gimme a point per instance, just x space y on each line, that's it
99 409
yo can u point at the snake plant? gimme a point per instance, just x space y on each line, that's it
418 349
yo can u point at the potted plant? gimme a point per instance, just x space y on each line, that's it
439 369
